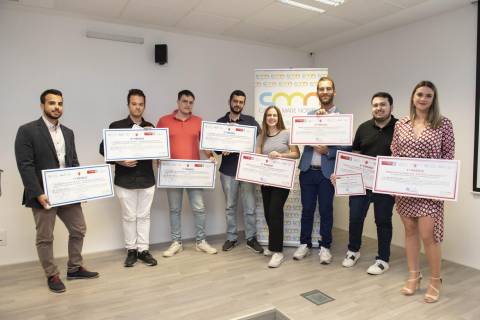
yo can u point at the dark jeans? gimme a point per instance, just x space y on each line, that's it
315 187
382 207
273 201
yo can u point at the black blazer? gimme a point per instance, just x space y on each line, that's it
34 151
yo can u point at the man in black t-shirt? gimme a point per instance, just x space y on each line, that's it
373 138
234 189
135 187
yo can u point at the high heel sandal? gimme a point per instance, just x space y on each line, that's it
432 298
408 291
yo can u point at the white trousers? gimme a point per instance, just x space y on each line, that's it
136 205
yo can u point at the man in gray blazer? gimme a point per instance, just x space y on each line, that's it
46 144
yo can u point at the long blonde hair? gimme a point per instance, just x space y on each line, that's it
434 118
280 125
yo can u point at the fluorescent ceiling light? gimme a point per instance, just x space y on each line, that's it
332 2
301 5
114 37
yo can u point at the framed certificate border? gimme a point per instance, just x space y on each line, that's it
45 184
202 144
105 142
415 195
353 154
212 186
330 143
292 180
350 194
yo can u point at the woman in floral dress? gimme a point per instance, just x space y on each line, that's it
425 133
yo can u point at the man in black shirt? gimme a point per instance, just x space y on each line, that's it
231 187
135 187
373 138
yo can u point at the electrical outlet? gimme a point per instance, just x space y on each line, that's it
3 237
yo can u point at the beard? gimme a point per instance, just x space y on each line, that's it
326 100
235 110
53 116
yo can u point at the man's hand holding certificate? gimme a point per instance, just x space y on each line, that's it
186 174
136 144
334 129
227 137
349 185
76 184
260 169
417 177
350 163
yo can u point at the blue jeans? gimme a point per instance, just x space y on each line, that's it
382 208
175 199
315 187
231 188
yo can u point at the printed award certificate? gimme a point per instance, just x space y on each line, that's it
76 184
260 169
186 174
334 129
349 185
416 177
136 144
227 137
350 162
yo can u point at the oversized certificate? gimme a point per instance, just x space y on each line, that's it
349 162
136 144
334 129
227 137
260 169
186 174
418 178
76 184
349 185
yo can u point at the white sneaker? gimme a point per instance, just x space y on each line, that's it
205 247
302 251
350 259
325 255
378 267
276 260
267 253
174 248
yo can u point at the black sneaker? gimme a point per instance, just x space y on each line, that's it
254 245
55 284
82 273
147 258
229 245
131 258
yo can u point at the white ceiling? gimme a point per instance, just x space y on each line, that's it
262 21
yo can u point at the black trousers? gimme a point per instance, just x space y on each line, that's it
382 208
273 201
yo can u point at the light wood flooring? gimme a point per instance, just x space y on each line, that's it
197 286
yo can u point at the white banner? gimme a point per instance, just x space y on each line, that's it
294 91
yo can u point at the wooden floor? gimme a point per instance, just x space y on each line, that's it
195 285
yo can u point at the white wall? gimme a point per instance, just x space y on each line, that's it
39 51
441 49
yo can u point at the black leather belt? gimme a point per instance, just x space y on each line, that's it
312 167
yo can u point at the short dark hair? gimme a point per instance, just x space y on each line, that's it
325 78
55 92
382 94
185 92
135 92
238 93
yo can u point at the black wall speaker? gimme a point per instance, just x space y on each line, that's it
161 53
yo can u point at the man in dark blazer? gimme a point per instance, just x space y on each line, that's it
46 144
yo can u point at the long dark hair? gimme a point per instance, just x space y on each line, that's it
280 124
